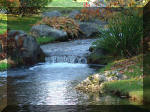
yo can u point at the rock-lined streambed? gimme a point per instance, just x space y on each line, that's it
53 82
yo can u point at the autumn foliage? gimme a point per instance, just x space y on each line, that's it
88 14
62 23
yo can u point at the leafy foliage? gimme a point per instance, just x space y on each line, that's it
123 37
146 26
4 66
23 6
32 6
62 23
87 14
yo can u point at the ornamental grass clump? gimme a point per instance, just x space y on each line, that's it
63 23
123 37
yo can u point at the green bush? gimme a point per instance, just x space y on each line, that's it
124 35
4 66
32 6
23 6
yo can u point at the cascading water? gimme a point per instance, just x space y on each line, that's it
68 52
66 59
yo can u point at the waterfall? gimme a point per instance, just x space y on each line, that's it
66 59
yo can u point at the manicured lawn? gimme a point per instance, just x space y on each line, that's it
65 3
22 23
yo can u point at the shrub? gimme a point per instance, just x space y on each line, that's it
62 23
123 36
23 6
87 14
32 6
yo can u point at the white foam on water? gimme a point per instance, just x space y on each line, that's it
59 65
3 74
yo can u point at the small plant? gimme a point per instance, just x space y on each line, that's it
44 40
62 23
4 66
123 36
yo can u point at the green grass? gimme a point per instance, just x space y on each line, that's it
120 39
4 66
131 87
22 23
25 23
137 71
3 23
107 67
44 40
65 3
125 86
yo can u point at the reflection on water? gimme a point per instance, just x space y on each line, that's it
53 84
3 90
48 84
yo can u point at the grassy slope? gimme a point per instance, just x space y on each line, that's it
134 85
65 3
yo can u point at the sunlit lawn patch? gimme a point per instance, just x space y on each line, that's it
65 3
22 23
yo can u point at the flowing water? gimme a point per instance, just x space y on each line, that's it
53 82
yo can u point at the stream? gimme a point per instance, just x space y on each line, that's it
53 82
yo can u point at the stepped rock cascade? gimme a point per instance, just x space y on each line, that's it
68 52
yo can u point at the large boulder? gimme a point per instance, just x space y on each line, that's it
89 30
27 50
51 14
45 30
74 13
